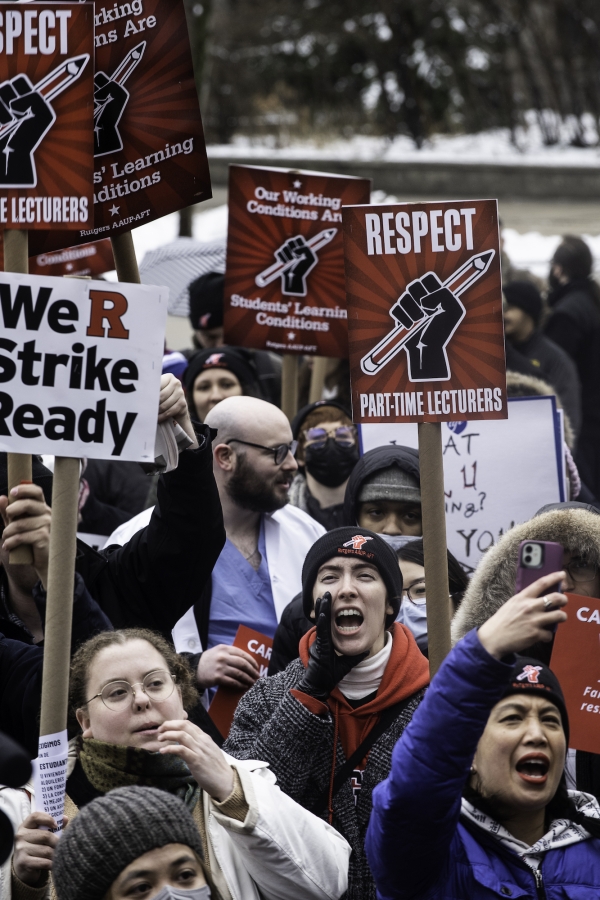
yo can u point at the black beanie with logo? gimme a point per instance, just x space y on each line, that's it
530 676
358 543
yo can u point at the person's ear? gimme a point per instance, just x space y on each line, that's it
84 723
389 610
224 457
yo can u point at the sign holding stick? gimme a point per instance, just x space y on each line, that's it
434 269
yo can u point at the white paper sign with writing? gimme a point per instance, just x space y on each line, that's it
80 366
50 775
496 473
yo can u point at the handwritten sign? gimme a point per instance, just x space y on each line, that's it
425 324
495 473
223 706
575 663
80 366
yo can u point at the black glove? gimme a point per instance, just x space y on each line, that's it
325 668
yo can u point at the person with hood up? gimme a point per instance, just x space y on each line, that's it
328 723
382 494
129 692
212 375
574 325
476 805
574 525
327 453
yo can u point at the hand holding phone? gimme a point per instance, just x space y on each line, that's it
537 558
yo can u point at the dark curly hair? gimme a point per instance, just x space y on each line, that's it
85 655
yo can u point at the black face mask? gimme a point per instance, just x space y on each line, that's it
330 465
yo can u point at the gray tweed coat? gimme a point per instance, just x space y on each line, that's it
270 724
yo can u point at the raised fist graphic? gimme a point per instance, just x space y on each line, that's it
440 312
298 260
110 99
25 117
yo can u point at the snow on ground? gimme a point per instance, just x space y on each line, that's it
493 146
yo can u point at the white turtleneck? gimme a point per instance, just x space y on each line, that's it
366 677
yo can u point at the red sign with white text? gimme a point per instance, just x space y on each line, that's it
225 701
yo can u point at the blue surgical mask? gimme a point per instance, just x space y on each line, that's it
397 541
173 893
414 616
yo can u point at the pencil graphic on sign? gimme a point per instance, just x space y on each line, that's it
52 85
126 67
462 279
281 267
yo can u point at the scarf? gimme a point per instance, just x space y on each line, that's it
366 677
109 766
562 832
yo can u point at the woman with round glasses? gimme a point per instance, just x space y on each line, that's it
327 454
129 692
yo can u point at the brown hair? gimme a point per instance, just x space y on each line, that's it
85 655
316 417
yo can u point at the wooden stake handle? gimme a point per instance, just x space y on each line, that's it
434 543
317 378
59 604
125 258
289 385
16 259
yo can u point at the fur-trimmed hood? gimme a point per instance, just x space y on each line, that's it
493 582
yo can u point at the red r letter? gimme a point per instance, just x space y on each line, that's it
112 314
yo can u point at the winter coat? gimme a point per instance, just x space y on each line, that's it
270 723
406 458
418 845
329 517
575 326
493 583
278 852
293 625
118 491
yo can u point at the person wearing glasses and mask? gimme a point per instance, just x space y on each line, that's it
155 809
327 454
574 525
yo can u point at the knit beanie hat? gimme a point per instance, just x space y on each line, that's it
360 543
530 676
392 483
220 358
111 832
206 300
525 296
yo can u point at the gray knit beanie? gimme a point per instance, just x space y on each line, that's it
113 831
392 483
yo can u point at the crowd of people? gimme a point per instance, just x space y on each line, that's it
343 773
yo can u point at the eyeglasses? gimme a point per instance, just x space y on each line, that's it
279 452
580 570
157 686
416 593
345 436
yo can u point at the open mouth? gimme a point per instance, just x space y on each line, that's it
534 768
348 621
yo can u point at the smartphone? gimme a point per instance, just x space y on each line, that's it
537 558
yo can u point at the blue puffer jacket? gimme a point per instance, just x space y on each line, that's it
416 844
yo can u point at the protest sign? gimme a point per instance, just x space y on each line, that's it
150 156
226 699
80 366
575 664
50 775
496 473
46 116
425 322
284 281
87 260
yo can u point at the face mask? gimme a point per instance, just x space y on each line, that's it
173 893
415 618
331 465
397 541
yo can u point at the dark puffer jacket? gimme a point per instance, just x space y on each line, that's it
270 724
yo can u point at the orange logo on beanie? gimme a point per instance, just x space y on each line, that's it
357 541
531 673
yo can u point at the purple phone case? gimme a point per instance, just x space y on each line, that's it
553 556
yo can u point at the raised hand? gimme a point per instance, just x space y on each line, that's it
206 762
293 278
439 311
25 117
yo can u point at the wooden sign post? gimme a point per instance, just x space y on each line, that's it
426 344
284 283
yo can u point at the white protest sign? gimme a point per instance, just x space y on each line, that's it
50 775
496 473
80 366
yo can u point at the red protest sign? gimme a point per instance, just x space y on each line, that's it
425 321
46 116
575 656
150 156
284 284
87 260
225 701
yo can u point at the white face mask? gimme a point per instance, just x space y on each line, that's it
397 541
173 893
414 616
